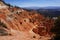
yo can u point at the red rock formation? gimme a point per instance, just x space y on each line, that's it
22 20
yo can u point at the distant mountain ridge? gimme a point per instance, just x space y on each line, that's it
49 7
52 11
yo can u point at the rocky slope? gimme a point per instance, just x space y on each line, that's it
19 24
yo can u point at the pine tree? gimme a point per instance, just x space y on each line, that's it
56 29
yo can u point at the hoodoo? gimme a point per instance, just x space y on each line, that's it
26 25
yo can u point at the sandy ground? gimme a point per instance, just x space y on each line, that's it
23 36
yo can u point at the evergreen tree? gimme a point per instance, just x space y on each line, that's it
56 29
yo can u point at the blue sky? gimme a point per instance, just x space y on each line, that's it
36 3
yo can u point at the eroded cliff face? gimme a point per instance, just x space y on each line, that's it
33 24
